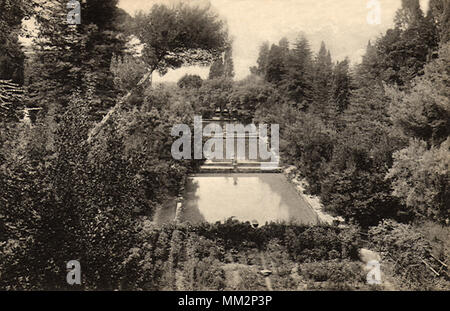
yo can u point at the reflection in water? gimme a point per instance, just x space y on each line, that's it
247 197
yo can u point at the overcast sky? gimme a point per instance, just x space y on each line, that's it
342 24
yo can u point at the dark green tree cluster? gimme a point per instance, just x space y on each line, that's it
241 98
311 83
347 129
12 57
190 81
168 44
223 67
67 198
420 171
65 56
403 51
263 56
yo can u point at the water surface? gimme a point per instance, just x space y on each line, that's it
246 197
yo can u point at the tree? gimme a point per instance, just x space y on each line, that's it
181 35
11 55
322 77
424 111
213 94
66 56
310 147
87 195
173 37
11 102
249 96
353 184
408 246
368 70
217 69
276 65
420 171
297 82
127 71
190 82
284 45
439 11
420 179
263 57
409 14
367 115
68 195
340 90
228 63
405 49
11 59
223 66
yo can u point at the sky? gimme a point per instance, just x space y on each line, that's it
341 24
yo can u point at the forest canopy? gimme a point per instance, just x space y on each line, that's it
371 140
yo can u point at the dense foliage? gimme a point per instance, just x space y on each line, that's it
372 140
346 129
64 198
181 35
200 257
407 249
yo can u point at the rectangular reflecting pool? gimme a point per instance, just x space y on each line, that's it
245 197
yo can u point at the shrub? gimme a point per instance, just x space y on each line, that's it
407 248
335 275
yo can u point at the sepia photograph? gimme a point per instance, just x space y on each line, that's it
224 151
